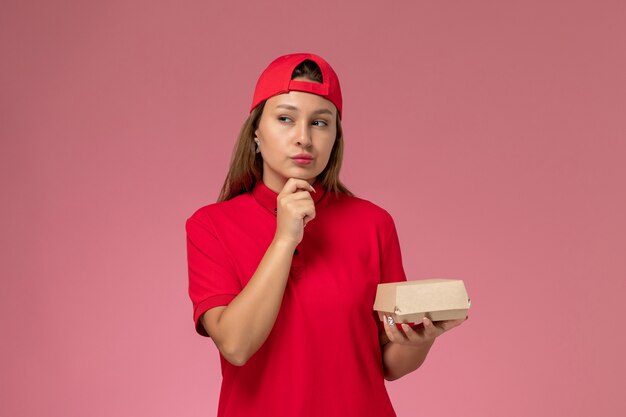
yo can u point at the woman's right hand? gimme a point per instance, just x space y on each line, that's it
295 208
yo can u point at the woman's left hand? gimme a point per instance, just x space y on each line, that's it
420 334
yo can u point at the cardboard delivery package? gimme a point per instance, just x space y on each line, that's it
411 301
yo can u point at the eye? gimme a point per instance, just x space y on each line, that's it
321 123
284 119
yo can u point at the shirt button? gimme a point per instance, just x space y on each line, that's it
295 252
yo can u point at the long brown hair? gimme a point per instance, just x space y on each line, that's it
246 166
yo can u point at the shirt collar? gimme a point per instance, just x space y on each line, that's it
268 198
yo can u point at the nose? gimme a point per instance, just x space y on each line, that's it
304 134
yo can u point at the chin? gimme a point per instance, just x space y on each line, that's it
302 173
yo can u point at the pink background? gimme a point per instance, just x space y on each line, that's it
494 132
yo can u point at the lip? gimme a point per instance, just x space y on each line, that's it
302 156
302 161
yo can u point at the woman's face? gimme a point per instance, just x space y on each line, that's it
295 123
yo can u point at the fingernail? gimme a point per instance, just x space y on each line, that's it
313 189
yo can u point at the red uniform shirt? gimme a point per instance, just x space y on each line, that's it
322 357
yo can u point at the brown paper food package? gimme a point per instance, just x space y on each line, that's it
411 301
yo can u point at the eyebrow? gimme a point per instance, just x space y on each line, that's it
290 107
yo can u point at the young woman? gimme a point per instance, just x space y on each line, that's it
283 268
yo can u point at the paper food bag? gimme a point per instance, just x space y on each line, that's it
411 301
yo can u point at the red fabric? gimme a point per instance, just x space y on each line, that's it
322 356
276 79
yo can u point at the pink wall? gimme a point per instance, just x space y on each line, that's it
494 132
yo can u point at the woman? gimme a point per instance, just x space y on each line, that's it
290 310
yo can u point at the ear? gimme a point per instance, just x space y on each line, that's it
256 132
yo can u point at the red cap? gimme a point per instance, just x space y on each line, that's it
276 79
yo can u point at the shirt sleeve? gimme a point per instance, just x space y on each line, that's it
212 278
391 269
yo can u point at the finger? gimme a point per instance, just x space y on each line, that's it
307 219
309 213
301 195
294 184
399 335
300 204
411 334
430 330
388 331
450 324
296 199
